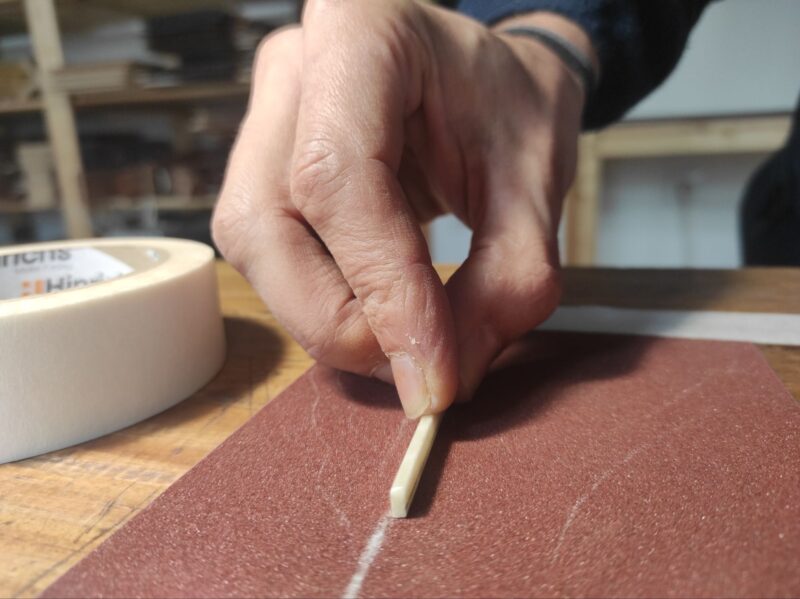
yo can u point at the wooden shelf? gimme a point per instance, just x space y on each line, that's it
45 21
693 137
8 106
198 92
18 208
161 204
76 15
58 107
147 8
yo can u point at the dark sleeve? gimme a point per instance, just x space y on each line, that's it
638 42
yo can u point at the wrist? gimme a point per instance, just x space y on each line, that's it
537 36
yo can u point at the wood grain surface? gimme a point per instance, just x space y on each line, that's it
55 508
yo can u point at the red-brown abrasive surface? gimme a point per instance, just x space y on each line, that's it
587 465
283 507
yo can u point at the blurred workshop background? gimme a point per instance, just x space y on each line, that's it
116 118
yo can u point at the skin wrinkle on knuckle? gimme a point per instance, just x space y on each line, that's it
387 291
313 338
317 343
339 339
318 174
374 285
237 224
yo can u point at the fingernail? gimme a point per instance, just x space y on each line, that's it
411 385
384 373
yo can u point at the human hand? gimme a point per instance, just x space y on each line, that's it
368 120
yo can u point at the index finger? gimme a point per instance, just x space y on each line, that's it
358 86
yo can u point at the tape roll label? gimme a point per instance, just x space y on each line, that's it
48 271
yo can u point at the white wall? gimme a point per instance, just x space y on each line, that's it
673 212
743 58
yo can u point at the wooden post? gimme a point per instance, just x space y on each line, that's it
583 204
59 117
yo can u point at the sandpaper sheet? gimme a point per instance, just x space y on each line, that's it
587 465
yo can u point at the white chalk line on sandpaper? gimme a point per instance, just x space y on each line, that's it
368 555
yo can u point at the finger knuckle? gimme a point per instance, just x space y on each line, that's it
386 286
342 339
324 346
317 343
228 226
221 231
377 291
539 291
526 303
317 174
528 286
278 45
279 52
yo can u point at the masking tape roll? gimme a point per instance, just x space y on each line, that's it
96 335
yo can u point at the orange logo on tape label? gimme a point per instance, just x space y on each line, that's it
46 271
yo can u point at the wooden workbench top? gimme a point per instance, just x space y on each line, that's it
56 508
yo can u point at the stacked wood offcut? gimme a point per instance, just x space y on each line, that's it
102 76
